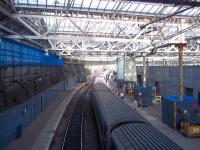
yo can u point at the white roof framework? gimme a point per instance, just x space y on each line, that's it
89 28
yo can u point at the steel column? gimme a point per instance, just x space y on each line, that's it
180 83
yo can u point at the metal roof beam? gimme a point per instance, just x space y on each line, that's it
18 34
5 10
143 19
79 38
54 27
87 17
29 27
84 33
106 13
34 31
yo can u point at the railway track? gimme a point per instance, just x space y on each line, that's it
73 135
68 135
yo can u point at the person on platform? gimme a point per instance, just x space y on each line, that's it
135 105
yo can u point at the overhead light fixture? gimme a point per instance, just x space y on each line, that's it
59 55
46 52
198 40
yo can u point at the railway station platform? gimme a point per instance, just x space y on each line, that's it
153 114
38 135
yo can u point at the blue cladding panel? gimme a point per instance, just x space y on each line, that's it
24 113
186 99
144 94
168 106
15 53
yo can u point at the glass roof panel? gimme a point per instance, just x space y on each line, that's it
94 4
60 2
196 13
193 11
189 12
185 12
34 2
102 5
51 2
154 9
167 10
42 2
140 8
23 1
128 6
159 9
125 8
110 5
133 7
115 5
147 8
174 10
77 3
86 3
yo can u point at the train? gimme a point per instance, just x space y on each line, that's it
121 128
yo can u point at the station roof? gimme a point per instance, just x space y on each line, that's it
107 28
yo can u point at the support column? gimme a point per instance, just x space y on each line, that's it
180 81
181 45
144 71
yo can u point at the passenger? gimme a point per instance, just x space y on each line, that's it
113 90
107 78
135 105
121 94
116 92
125 90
